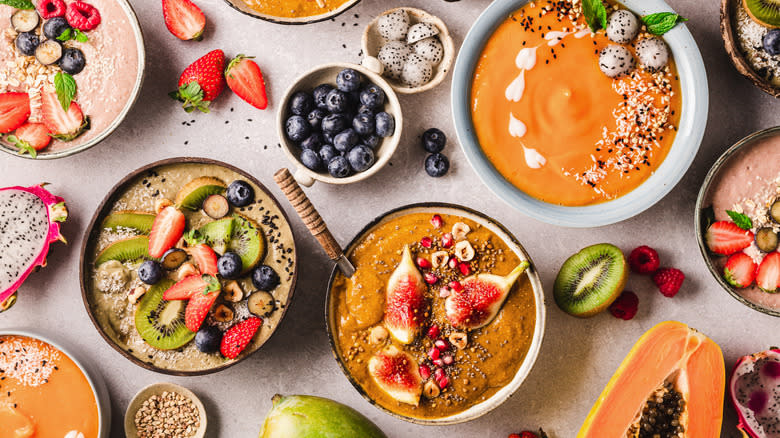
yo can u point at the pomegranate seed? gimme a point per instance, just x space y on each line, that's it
434 353
453 263
433 331
447 240
438 362
439 373
430 278
423 263
426 242
456 286
425 372
465 269
437 221
444 292
448 359
443 382
441 344
514 435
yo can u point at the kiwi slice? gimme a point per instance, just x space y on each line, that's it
590 280
217 234
160 322
132 248
192 195
764 12
137 220
247 241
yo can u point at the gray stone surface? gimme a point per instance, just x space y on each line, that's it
577 357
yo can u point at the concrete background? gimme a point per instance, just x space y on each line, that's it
577 357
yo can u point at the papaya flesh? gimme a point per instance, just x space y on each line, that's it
671 384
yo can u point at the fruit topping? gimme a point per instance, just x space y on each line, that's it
385 124
622 26
480 299
360 158
240 193
348 80
437 165
740 270
63 125
771 42
421 31
48 52
625 306
208 339
184 19
161 322
223 313
397 374
239 336
768 274
429 49
393 56
372 97
394 25
339 167
653 53
82 16
245 78
669 281
261 303
53 28
135 294
173 258
194 284
644 260
51 8
150 272
590 280
25 20
136 220
766 239
193 194
132 248
229 265
201 82
30 138
764 12
754 390
14 111
186 270
205 259
405 300
726 238
27 42
433 140
616 61
199 305
216 206
774 211
167 229
417 71
72 61
265 278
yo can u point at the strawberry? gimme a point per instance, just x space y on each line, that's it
740 270
726 238
768 275
14 111
238 337
198 308
191 285
63 125
184 19
205 258
167 229
244 77
30 138
201 82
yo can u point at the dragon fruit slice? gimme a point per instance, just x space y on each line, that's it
29 221
755 393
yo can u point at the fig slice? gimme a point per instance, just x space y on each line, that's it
480 299
405 300
396 373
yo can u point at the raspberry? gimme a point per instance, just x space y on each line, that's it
82 16
644 260
51 8
625 306
668 281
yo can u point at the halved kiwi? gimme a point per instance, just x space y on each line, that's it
137 220
132 248
218 233
161 323
247 241
764 12
192 194
590 280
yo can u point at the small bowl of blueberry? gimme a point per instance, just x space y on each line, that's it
340 123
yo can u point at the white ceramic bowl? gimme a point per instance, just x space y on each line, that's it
156 389
326 74
693 120
242 7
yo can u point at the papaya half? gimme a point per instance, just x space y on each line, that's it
671 384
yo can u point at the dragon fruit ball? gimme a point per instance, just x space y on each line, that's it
393 57
394 25
623 26
420 31
653 53
430 49
616 61
417 71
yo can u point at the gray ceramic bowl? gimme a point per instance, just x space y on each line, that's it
131 431
695 96
242 7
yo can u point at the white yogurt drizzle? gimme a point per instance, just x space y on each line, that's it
533 158
516 127
526 58
514 92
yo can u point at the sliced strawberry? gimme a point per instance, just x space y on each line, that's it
244 77
30 138
768 275
184 19
167 228
726 238
14 111
63 125
239 336
205 258
187 287
740 270
198 308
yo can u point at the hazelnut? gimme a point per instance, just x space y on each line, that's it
160 204
459 340
136 294
223 313
233 292
439 258
431 389
464 251
460 230
378 335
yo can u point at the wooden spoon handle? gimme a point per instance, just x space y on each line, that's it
308 213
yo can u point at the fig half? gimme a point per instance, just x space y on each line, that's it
396 373
405 300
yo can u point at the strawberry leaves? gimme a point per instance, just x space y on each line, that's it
741 220
192 97
212 282
24 147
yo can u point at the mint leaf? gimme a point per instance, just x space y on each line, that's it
662 22
595 14
65 86
740 220
65 35
81 36
23 146
72 34
18 4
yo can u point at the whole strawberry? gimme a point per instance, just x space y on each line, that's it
238 337
201 82
669 281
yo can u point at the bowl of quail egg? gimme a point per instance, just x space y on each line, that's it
411 48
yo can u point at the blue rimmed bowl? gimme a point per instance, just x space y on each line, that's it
693 120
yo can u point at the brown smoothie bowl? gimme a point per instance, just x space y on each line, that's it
242 7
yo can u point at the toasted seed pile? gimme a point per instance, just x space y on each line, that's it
661 415
168 415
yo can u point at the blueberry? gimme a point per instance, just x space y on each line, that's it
437 165
372 96
265 278
363 109
311 159
229 265
346 140
315 118
372 140
72 61
150 272
27 42
320 93
297 128
353 103
240 193
364 124
348 80
301 103
337 101
338 167
327 153
385 124
327 137
360 158
314 141
771 42
334 123
433 140
54 27
208 339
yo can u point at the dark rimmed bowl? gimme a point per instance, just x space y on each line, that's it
701 219
504 393
240 6
93 230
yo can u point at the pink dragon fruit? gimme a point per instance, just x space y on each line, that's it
755 393
29 221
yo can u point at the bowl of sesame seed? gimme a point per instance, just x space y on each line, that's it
165 410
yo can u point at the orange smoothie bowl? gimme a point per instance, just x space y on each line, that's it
47 392
558 139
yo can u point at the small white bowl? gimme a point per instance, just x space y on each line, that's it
156 389
326 74
373 41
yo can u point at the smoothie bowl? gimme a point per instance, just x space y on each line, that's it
579 149
738 221
292 11
189 266
443 318
69 73
38 375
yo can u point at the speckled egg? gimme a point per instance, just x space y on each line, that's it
615 61
420 31
393 57
622 27
417 71
653 53
394 25
431 49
